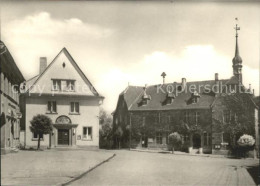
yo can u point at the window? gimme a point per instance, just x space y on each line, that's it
226 116
74 107
158 137
87 133
186 138
197 117
169 100
125 120
169 119
56 85
144 102
52 108
143 121
226 137
207 138
70 85
35 136
120 118
186 116
195 100
167 137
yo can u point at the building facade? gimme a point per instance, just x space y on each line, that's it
197 110
62 92
11 78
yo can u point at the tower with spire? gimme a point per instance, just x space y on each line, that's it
237 60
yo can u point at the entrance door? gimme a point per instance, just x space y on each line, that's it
63 137
196 141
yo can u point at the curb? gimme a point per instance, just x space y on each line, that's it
85 173
169 152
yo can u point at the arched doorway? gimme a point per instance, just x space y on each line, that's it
196 139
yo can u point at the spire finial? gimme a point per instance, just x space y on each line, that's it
236 28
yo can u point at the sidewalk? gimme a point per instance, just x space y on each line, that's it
49 167
179 153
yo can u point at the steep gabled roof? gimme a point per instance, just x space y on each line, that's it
158 93
131 94
35 79
8 65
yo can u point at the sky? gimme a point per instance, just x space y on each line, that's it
118 43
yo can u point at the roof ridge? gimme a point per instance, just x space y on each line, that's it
70 58
179 83
40 75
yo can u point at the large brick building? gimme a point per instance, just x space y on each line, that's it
145 116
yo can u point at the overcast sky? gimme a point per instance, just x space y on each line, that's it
116 43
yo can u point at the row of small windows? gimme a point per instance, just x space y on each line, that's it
170 99
52 107
63 85
187 116
229 115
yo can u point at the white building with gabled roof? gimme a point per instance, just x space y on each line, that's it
62 92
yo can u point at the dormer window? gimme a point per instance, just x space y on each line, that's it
145 99
195 97
169 99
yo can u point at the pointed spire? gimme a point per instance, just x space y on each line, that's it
237 49
237 60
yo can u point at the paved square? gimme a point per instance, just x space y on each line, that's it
142 168
49 167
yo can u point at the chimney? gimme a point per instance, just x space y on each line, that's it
183 82
43 64
216 76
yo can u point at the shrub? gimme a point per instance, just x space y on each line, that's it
174 141
246 141
245 144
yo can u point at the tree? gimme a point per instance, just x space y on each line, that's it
105 132
175 140
118 135
41 124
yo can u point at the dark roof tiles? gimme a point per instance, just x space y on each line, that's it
133 96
